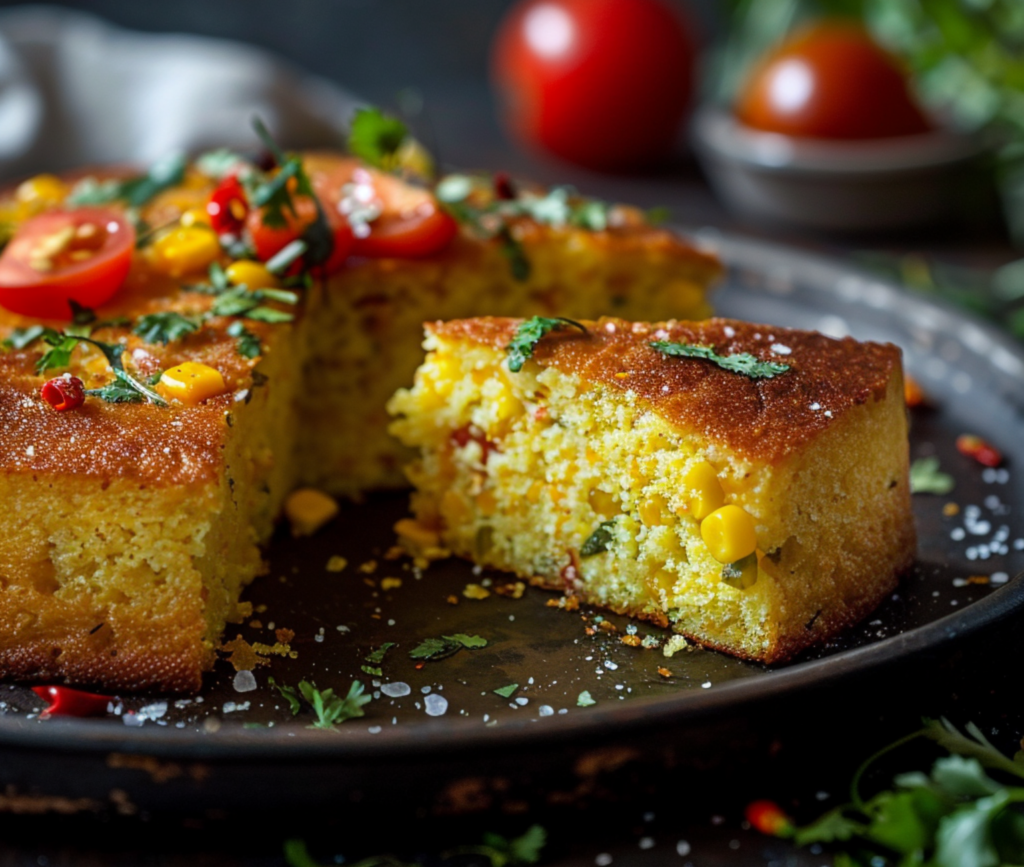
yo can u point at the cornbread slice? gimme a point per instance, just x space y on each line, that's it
755 516
130 530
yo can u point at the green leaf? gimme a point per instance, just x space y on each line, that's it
331 709
832 826
21 338
375 136
901 824
164 327
372 670
963 777
591 215
470 642
116 391
964 838
600 540
377 656
297 855
584 699
136 191
743 363
529 334
288 693
514 252
506 691
527 848
59 354
268 314
926 478
973 744
248 344
446 645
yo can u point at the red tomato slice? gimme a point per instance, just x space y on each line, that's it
270 240
81 255
410 223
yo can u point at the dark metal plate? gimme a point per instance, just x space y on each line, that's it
223 747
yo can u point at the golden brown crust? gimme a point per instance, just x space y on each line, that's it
763 419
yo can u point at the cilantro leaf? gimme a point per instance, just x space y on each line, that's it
239 301
375 137
248 345
600 540
288 693
506 691
529 334
135 191
164 327
514 252
926 478
21 338
59 354
377 656
743 362
331 709
524 849
446 645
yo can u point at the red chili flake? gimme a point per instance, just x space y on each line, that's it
503 187
65 701
63 392
768 818
228 206
467 433
975 447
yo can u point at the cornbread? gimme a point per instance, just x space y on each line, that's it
130 529
754 515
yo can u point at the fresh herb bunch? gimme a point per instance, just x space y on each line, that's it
529 334
330 709
743 362
966 58
957 815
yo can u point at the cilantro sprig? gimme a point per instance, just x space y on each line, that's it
446 645
330 709
743 362
135 191
376 137
927 478
956 814
600 540
529 334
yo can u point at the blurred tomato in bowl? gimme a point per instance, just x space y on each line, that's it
601 83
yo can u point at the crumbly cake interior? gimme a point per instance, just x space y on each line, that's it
520 471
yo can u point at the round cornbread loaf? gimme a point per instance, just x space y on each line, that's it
637 480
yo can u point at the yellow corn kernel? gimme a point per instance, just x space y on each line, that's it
651 510
253 275
741 575
41 191
704 489
184 250
308 510
506 405
191 383
195 217
413 531
486 503
603 503
555 494
729 533
534 491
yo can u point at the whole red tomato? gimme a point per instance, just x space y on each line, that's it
602 83
830 80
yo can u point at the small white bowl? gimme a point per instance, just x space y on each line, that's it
844 186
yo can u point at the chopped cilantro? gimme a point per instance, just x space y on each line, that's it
927 478
373 670
529 334
22 337
218 164
248 345
506 691
377 656
164 327
136 191
59 354
743 362
375 137
331 709
288 693
600 540
584 699
591 214
446 645
239 301
518 263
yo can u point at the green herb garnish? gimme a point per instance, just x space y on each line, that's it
512 250
506 691
163 174
329 708
21 338
584 699
239 301
927 478
288 693
529 334
164 327
446 645
248 344
375 658
600 540
743 362
375 137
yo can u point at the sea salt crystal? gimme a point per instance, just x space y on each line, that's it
396 690
646 842
611 666
232 707
603 860
683 848
435 704
245 681
545 710
781 349
153 711
522 701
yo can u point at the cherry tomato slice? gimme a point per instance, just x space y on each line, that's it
410 223
227 206
270 240
82 255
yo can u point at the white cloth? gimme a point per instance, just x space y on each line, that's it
77 91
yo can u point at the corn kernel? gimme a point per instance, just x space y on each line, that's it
191 383
729 533
603 503
184 250
534 491
419 534
41 191
487 504
195 217
705 491
253 275
308 510
651 510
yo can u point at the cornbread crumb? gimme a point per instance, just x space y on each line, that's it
475 591
336 564
390 583
452 599
369 567
307 510
673 645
